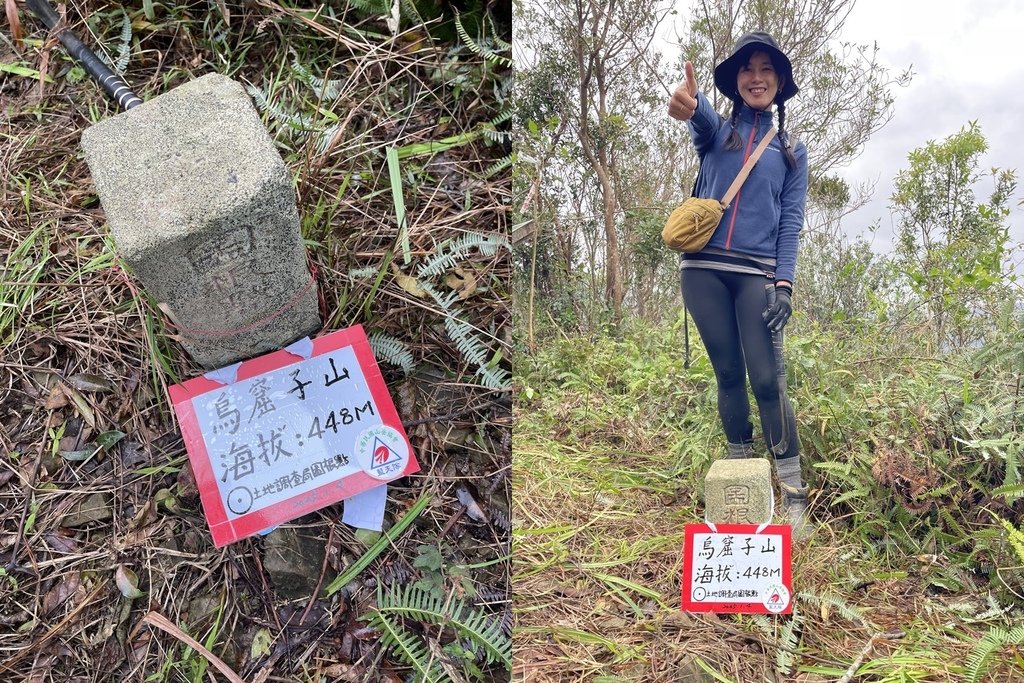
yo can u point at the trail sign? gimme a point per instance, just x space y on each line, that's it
290 434
737 568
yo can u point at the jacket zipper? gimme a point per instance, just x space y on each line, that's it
736 203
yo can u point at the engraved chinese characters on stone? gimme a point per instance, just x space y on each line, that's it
737 499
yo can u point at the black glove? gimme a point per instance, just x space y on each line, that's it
777 315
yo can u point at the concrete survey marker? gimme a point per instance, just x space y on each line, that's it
738 491
202 209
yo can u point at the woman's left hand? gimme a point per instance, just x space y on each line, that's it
777 315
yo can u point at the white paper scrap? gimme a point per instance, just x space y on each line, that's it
366 510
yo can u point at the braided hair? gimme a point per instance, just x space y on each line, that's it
787 144
733 141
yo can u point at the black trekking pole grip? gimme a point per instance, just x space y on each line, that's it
112 84
780 363
780 372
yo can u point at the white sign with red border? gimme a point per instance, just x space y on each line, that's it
737 568
291 435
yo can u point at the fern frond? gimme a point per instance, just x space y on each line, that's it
477 49
498 167
392 350
1012 475
407 648
275 111
503 45
1016 538
451 251
766 625
497 136
469 345
410 10
1011 493
947 516
364 272
445 301
124 51
370 7
979 659
325 138
494 378
845 610
466 341
790 638
328 90
440 262
426 606
994 610
503 116
119 64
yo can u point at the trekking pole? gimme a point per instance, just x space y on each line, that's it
780 372
114 85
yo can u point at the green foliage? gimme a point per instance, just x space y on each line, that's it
276 111
835 602
982 658
22 271
902 450
371 8
408 649
469 344
1016 538
323 89
952 248
124 43
493 52
789 638
844 284
412 603
449 252
392 350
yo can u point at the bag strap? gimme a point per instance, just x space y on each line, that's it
730 194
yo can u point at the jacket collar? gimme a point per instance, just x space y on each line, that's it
764 118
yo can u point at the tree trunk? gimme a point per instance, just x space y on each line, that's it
590 68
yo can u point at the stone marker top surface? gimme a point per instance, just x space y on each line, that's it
163 167
739 468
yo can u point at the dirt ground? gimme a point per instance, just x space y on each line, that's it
107 567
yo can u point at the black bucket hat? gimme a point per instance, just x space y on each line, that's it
726 72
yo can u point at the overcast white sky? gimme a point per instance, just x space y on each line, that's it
968 66
968 61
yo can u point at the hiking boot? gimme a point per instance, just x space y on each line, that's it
735 451
794 500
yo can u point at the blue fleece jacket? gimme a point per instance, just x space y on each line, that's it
766 216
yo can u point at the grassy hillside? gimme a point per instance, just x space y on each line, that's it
914 461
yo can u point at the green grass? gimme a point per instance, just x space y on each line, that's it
338 91
612 440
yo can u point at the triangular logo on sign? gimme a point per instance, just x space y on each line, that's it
383 454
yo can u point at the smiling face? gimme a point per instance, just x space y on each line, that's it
757 81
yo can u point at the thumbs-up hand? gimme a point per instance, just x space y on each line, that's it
683 102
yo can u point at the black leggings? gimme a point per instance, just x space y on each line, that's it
727 308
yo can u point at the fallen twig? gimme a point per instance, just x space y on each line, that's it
852 671
165 624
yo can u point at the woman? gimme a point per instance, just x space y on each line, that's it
754 247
